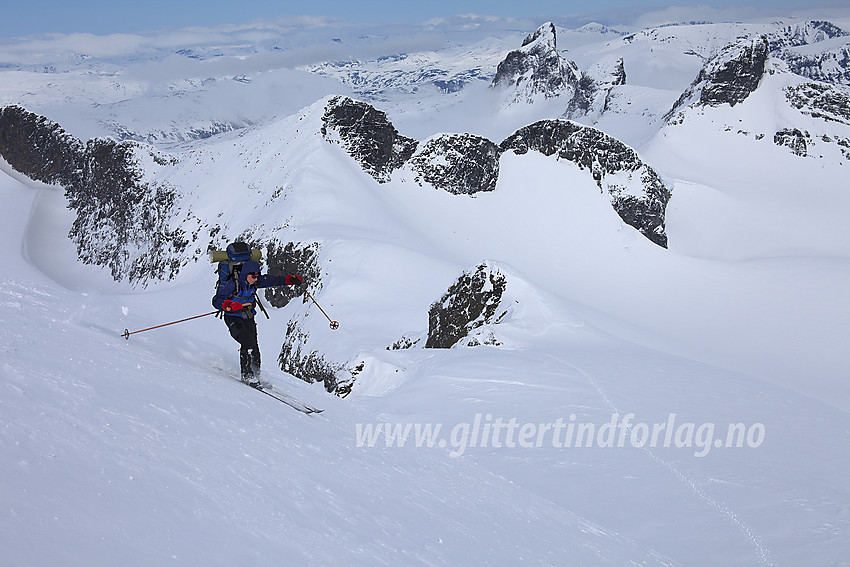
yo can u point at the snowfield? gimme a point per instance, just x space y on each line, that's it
635 405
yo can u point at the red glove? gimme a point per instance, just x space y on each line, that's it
294 280
229 305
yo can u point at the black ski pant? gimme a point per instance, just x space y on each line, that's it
244 331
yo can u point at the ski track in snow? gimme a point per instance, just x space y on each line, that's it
764 558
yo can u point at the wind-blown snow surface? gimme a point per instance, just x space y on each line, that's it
146 452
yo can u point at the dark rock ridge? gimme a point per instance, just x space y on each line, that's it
122 220
309 365
618 77
39 148
471 302
537 69
602 156
468 164
458 163
735 72
729 77
367 135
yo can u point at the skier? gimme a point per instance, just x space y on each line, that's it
237 298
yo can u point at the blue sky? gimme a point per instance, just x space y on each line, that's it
118 16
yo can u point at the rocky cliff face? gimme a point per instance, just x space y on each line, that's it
458 163
367 135
39 148
636 191
729 77
537 70
298 359
123 220
471 302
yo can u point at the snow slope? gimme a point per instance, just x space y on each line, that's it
146 451
140 452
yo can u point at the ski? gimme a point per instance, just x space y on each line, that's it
285 398
272 392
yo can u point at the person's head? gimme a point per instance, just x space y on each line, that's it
251 271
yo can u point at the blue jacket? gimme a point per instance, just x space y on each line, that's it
246 293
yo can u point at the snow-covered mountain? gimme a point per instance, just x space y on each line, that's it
609 266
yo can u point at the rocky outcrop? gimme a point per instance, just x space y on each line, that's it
792 138
458 163
471 302
618 73
467 164
39 148
291 258
637 192
123 220
537 70
729 77
297 355
309 365
367 135
594 92
820 101
735 73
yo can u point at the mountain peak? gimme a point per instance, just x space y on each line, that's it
544 36
729 77
537 69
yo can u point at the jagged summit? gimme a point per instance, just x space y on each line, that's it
537 70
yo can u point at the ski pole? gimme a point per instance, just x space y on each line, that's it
126 334
334 324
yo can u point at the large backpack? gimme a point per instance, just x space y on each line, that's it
230 264
230 261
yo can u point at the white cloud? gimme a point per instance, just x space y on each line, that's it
742 13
